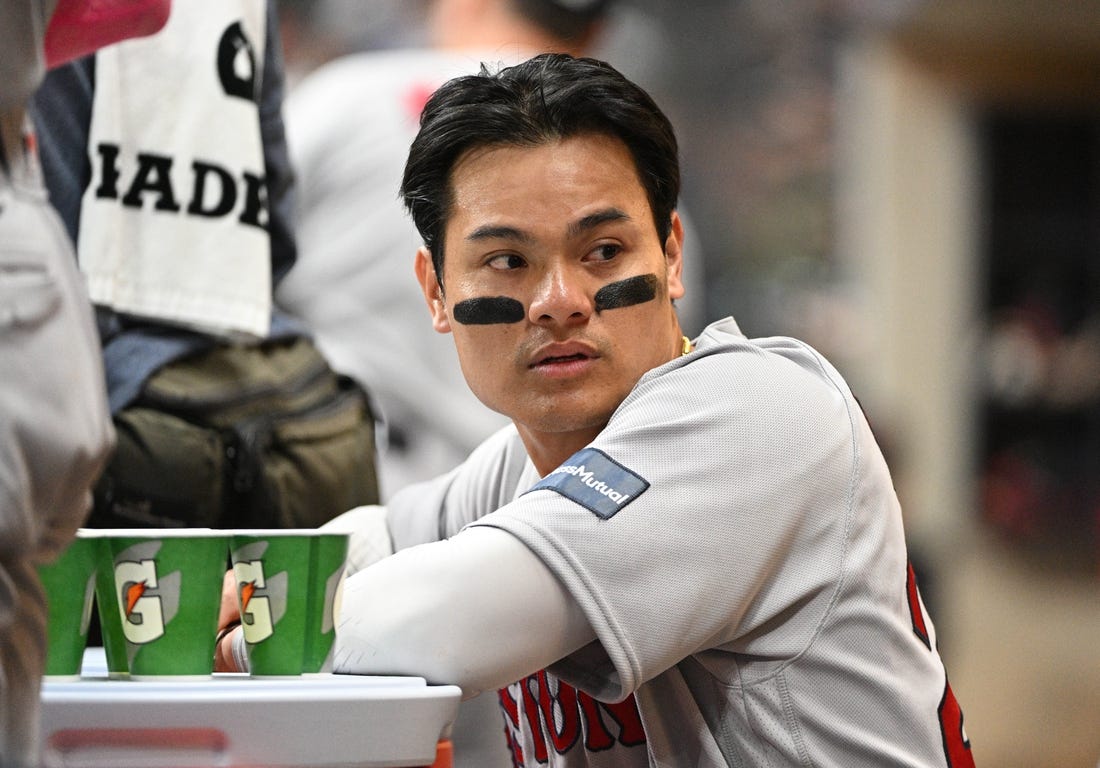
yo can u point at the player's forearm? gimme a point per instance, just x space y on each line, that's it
443 611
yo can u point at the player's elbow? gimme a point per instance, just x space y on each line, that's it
403 642
393 620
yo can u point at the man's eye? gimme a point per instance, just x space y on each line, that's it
605 252
506 261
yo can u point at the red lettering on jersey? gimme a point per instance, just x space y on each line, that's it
558 712
532 712
510 707
563 708
515 749
624 714
511 717
919 627
956 746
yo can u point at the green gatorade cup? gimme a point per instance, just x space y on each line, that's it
69 583
167 590
272 569
328 554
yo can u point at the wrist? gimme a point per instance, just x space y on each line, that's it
223 632
230 652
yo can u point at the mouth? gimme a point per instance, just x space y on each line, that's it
563 357
555 359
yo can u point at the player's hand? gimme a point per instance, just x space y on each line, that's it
230 610
226 656
230 635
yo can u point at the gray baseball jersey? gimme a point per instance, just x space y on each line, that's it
734 538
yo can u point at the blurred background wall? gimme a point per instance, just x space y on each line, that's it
967 205
913 186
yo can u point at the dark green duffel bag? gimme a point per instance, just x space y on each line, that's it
261 436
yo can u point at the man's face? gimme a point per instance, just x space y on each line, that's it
555 284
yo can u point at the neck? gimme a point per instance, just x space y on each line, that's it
549 451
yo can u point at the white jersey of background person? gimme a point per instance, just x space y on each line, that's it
733 537
349 126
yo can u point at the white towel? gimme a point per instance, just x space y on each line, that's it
173 223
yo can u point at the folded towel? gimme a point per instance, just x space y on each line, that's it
173 223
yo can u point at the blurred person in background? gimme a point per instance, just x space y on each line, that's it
55 429
316 31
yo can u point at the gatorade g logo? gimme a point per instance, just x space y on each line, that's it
263 598
146 601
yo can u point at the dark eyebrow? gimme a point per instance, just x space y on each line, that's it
498 232
594 220
503 232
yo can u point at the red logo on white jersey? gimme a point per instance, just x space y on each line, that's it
558 716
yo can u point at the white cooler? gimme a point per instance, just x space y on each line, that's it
314 721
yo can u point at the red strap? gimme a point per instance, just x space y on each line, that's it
79 27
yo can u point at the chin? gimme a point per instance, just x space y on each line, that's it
563 420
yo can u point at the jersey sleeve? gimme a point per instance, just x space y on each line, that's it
709 513
437 509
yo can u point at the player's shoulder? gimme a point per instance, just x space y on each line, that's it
726 337
776 390
496 463
487 480
726 364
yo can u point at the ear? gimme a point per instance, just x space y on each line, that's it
433 291
674 257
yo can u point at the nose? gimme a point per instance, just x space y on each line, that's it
561 296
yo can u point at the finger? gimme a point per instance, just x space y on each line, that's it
230 609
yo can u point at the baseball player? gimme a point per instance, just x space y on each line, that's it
681 553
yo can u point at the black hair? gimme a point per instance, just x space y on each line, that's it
550 97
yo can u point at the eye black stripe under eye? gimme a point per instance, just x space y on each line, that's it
625 293
487 310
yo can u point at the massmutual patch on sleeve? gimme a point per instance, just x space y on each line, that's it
595 481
